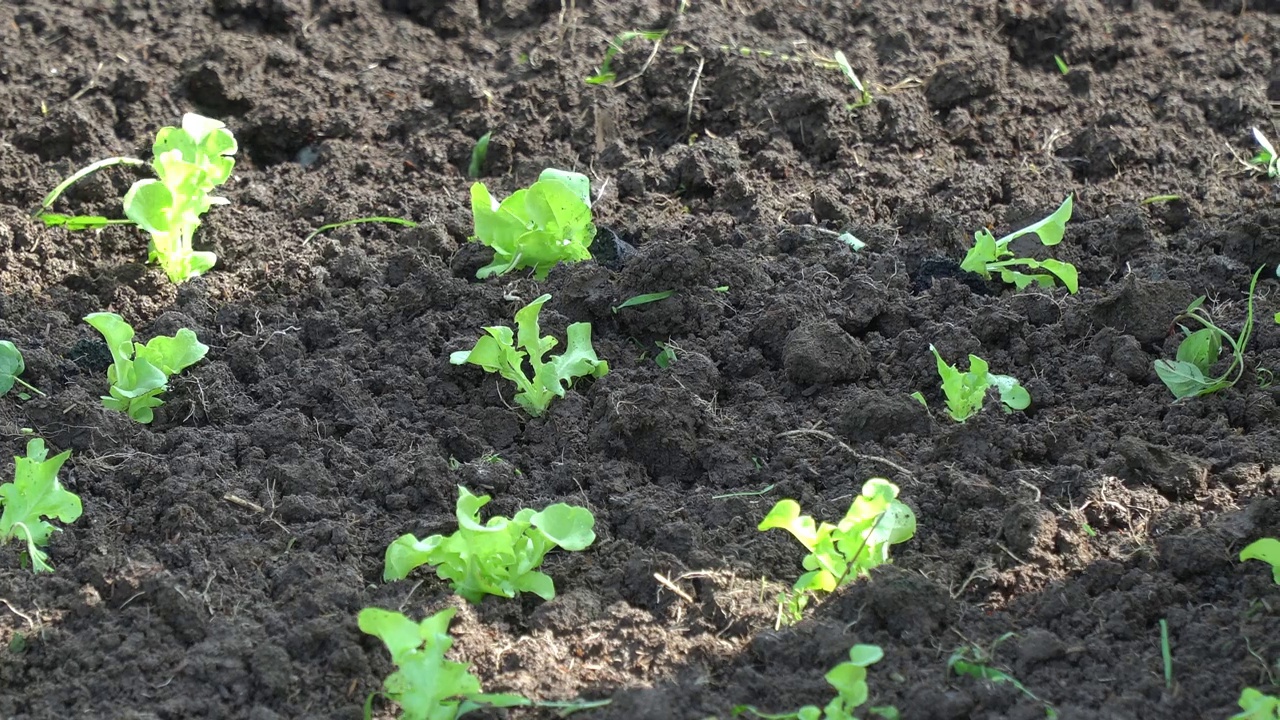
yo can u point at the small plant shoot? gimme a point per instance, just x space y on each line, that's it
864 96
967 391
1267 550
478 155
976 662
839 554
500 557
989 255
140 372
1256 705
425 685
537 227
1266 160
606 74
11 366
1190 373
497 352
34 494
849 679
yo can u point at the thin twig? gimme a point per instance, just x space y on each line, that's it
831 438
693 89
673 588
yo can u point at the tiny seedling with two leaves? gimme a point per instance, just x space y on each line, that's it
498 352
11 366
849 679
189 162
140 372
1188 374
500 557
34 494
967 391
536 227
989 255
841 553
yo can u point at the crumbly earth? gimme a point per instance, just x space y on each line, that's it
226 548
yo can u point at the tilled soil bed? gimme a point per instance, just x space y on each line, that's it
226 548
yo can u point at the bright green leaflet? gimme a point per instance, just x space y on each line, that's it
425 684
967 391
1267 550
643 300
496 352
849 679
1266 157
864 96
35 493
141 372
1187 375
190 162
11 366
1257 706
841 553
538 227
499 557
989 255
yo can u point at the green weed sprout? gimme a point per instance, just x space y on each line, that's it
850 682
1187 375
864 95
190 162
975 662
11 366
425 684
141 372
537 227
1254 705
839 554
1266 550
989 255
497 352
1266 159
967 391
499 557
606 73
35 493
478 155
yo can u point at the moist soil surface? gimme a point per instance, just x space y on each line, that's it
226 548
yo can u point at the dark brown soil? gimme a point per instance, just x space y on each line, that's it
328 400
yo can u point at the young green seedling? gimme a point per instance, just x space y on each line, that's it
35 493
425 684
606 74
989 255
1062 64
1255 705
496 352
1187 375
11 366
849 679
141 372
967 391
974 661
537 227
359 221
839 554
644 299
478 155
1266 550
864 96
499 557
190 162
1266 159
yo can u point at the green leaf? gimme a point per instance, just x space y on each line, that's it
1266 550
148 204
1184 379
478 155
172 355
568 526
1201 348
137 380
1050 229
983 252
35 493
1012 394
786 516
865 655
11 365
538 227
643 299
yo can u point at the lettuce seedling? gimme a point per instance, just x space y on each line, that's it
497 352
537 227
840 553
425 684
850 682
11 366
967 391
499 557
989 255
141 372
1187 375
1266 550
190 162
1255 705
35 493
